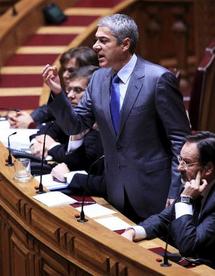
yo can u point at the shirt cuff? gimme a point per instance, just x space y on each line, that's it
182 209
139 232
75 144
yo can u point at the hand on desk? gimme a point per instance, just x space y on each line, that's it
20 119
37 145
129 234
59 171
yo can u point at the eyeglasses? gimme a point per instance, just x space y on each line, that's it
75 89
184 163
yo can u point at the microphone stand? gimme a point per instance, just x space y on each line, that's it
9 161
165 262
82 217
40 189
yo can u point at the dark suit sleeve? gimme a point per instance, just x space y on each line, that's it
158 225
58 153
94 186
84 156
192 240
53 130
70 121
41 114
173 119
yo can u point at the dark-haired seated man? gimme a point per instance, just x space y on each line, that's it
190 222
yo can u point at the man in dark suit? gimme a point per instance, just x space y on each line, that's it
189 224
141 149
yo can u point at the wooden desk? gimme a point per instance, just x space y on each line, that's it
37 240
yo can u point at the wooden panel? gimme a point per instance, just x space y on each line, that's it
52 264
50 241
19 257
203 97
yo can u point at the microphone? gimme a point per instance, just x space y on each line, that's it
165 262
40 189
82 217
9 161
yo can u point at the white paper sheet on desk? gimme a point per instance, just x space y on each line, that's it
20 140
50 183
96 210
4 124
113 223
53 199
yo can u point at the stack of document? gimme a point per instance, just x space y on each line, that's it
51 184
52 199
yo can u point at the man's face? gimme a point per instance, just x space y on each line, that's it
110 53
189 162
68 67
75 90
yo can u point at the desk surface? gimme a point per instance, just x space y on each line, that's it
35 228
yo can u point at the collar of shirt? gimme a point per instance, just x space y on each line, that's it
125 74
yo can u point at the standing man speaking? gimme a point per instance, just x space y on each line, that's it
140 113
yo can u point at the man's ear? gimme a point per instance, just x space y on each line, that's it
126 44
209 169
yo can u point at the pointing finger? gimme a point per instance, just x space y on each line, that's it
198 178
203 185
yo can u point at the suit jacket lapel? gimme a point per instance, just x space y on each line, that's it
106 101
208 202
132 92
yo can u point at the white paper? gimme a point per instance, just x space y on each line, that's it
4 124
69 176
20 140
113 223
52 199
96 210
50 183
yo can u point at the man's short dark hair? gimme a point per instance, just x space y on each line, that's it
205 141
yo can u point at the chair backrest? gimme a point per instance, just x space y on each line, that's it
202 102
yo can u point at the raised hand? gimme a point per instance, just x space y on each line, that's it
194 187
51 78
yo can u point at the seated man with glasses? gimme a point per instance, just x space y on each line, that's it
189 224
